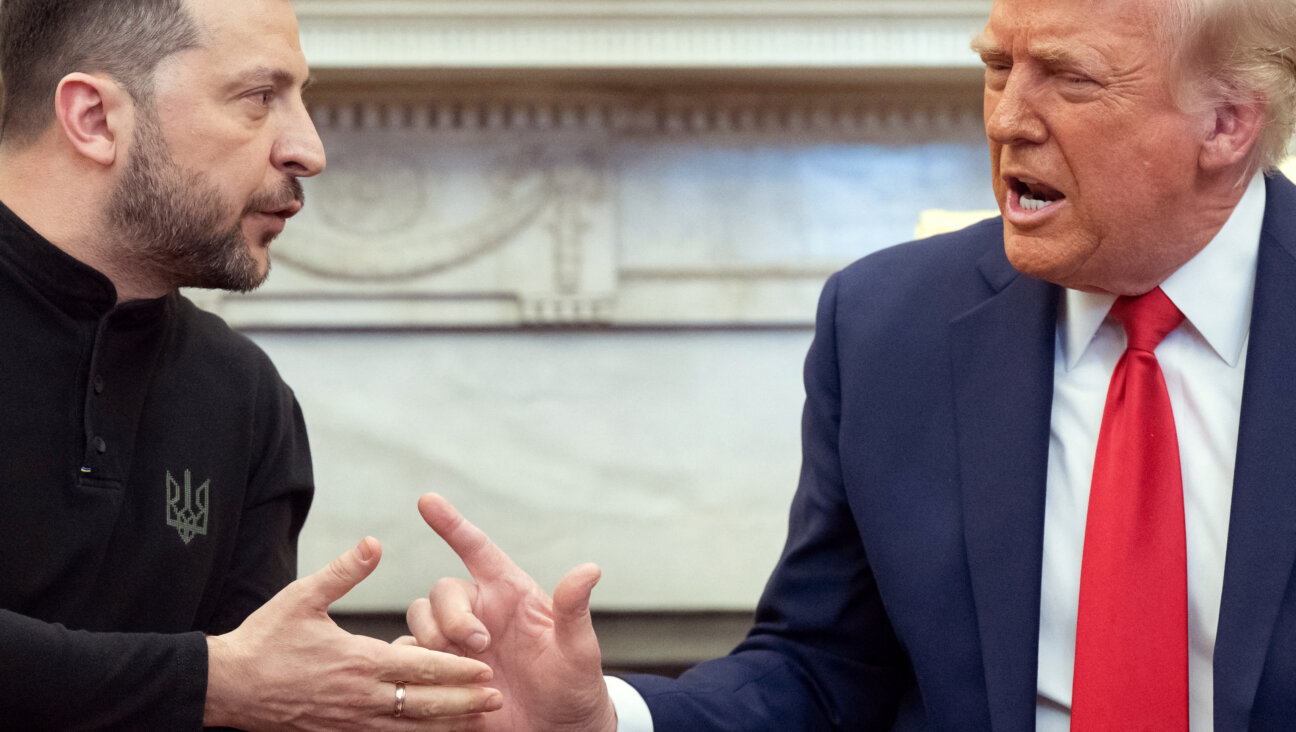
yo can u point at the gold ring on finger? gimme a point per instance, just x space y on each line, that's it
400 699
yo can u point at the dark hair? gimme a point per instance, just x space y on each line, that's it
41 41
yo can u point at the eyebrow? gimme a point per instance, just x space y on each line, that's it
1048 52
1056 53
984 45
279 76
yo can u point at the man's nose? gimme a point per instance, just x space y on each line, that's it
299 151
1011 117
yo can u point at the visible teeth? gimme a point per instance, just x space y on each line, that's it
1030 203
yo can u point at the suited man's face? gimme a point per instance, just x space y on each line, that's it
1094 164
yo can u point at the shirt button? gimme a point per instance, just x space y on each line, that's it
100 446
98 384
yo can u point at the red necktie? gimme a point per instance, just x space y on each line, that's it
1131 661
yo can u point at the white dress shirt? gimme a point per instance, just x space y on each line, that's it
1203 361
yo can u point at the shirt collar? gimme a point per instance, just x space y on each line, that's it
72 286
1213 289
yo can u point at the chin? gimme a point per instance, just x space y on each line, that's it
1036 257
256 267
262 270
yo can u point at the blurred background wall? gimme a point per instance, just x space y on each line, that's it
563 267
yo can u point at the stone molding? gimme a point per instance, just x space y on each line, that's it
638 34
868 114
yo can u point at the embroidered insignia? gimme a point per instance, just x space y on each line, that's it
190 516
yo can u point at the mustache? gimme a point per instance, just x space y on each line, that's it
279 197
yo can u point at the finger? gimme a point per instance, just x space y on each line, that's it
411 641
484 560
426 631
431 702
452 615
336 578
465 723
421 666
571 600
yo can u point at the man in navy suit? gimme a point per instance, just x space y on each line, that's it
954 394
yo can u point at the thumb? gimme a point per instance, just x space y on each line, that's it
335 579
571 599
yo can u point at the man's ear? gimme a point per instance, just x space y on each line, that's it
94 114
1233 135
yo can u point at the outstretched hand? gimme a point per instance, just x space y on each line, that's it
543 650
289 666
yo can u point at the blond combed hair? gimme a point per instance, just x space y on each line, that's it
1239 52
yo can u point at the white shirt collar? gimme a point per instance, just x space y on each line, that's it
1213 289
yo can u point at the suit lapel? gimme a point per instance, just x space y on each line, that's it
1003 385
1262 522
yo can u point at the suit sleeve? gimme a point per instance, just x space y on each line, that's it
822 654
56 678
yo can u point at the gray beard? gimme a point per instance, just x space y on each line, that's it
172 221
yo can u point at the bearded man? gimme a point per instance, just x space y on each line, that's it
156 471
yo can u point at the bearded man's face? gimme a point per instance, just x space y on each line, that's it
178 226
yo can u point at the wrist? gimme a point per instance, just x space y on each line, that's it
603 716
611 723
222 704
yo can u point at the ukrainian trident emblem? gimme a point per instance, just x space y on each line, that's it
187 508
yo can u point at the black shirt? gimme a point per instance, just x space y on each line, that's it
154 475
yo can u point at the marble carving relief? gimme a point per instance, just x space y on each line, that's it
681 208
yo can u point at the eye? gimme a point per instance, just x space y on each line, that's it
996 73
261 97
1076 86
996 64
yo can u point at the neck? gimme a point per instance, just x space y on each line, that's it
64 203
1146 267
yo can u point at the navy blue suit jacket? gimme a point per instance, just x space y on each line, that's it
908 594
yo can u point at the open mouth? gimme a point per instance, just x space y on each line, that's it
1034 195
